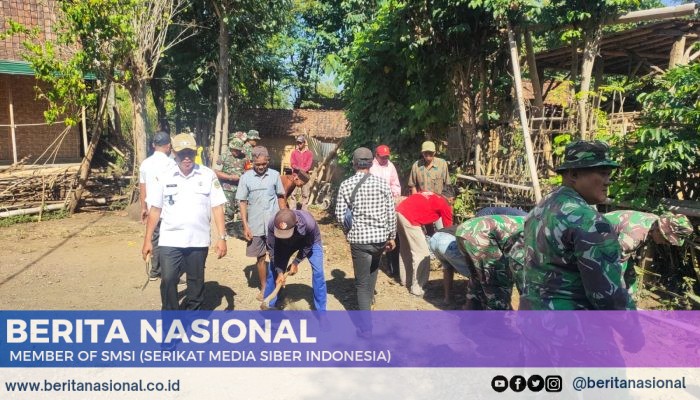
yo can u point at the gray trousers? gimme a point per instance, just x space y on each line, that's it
174 262
303 204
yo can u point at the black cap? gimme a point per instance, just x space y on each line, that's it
362 157
161 138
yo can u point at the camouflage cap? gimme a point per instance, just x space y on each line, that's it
235 144
675 228
240 135
253 134
586 154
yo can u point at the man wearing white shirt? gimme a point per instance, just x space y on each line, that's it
154 165
385 169
185 197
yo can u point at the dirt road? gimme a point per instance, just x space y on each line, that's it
92 261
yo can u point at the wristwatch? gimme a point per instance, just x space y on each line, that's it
224 237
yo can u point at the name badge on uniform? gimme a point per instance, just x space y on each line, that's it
169 197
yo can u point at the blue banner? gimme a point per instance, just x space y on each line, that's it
349 339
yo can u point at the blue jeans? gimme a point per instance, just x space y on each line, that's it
318 281
444 246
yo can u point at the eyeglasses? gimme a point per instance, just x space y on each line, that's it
186 153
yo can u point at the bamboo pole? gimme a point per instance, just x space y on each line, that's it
12 125
483 179
515 60
30 211
83 124
653 14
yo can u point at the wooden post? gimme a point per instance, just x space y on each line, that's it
515 60
83 124
12 125
677 53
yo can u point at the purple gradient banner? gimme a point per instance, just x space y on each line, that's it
350 339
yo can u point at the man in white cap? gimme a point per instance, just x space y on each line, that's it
185 196
295 231
158 162
430 173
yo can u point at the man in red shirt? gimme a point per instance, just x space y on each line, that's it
415 211
301 160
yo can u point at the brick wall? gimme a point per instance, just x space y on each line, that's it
32 141
39 14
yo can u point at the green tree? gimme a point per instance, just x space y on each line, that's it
665 150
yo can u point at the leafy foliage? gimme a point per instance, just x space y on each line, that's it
91 37
399 86
667 146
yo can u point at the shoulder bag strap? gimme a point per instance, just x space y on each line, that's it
354 191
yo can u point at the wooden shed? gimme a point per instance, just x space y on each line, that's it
279 128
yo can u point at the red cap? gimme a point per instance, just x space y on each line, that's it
383 150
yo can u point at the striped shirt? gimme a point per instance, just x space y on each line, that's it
374 217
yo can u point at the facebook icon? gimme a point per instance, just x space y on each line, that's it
517 383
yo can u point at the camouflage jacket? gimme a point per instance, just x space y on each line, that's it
572 257
229 164
515 250
633 229
484 238
248 151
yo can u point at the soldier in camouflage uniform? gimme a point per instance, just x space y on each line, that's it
636 229
572 253
251 141
483 240
229 168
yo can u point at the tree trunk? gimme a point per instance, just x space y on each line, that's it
84 170
137 91
221 124
538 110
158 94
590 52
572 88
483 130
517 81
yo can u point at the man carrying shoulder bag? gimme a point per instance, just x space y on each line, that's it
371 227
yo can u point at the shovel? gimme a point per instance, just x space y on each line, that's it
265 305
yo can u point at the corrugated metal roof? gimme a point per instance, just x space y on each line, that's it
15 67
10 67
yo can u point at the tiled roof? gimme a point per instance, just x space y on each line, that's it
39 14
322 124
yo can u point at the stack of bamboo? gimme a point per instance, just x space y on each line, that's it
29 190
